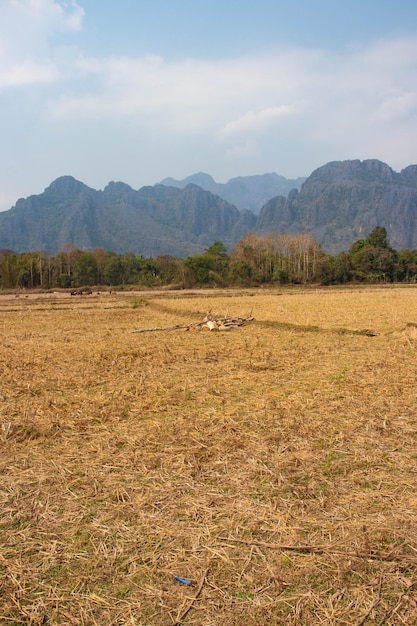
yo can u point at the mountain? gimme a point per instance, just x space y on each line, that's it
343 201
245 192
337 204
151 221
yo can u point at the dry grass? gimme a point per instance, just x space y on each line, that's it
274 465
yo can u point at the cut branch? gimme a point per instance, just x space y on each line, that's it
308 549
182 614
210 322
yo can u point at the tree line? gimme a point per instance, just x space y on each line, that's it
254 260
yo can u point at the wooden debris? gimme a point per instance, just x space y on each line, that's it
182 613
210 323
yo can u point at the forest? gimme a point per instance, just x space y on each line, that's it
255 260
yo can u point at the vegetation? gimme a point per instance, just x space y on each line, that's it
255 260
273 466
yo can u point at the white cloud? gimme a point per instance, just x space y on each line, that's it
185 96
284 110
364 104
27 73
256 121
46 14
26 54
248 149
396 105
328 95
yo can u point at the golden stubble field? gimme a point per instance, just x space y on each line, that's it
275 465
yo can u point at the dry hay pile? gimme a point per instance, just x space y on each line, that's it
273 468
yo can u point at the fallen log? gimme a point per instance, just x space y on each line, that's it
209 323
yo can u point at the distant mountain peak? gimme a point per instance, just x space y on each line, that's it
67 185
150 221
337 204
244 192
118 185
200 179
355 169
113 189
343 200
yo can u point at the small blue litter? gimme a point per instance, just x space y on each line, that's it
183 581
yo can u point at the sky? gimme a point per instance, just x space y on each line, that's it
139 90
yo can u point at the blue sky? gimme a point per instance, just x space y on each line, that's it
138 90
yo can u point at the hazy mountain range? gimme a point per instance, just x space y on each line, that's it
338 203
245 192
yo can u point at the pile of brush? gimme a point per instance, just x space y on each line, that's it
209 323
213 323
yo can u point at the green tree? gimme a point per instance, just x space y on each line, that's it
336 269
218 250
211 267
378 238
148 272
7 269
373 259
198 267
113 271
170 269
240 272
407 265
101 257
85 270
132 267
63 281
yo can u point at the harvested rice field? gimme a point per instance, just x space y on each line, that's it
265 475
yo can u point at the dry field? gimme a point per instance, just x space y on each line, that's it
275 465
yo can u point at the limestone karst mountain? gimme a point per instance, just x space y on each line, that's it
245 192
343 201
337 204
151 221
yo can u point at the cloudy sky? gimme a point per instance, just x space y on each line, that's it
137 90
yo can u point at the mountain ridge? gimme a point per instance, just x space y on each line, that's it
244 192
339 203
342 201
151 221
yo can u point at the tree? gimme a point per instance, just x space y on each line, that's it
113 272
305 253
101 257
240 272
407 265
373 259
336 269
64 264
149 273
255 252
378 238
85 270
278 257
211 267
7 269
199 269
170 269
131 268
